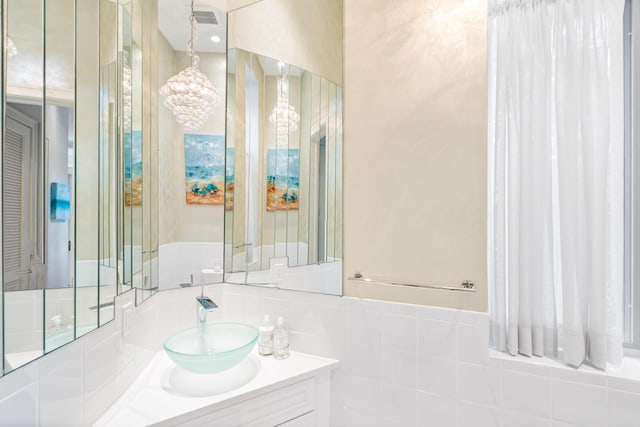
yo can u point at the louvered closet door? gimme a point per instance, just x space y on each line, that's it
17 246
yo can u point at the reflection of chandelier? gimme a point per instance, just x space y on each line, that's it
284 115
189 94
12 50
127 89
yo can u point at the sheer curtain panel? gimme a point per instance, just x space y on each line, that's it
556 141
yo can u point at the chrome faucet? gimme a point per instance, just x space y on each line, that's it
204 305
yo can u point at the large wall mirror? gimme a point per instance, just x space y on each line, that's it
38 179
79 194
217 211
191 214
283 223
100 183
284 175
215 208
191 211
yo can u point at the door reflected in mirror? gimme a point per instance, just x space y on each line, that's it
75 225
38 179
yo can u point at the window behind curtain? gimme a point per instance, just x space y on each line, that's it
632 175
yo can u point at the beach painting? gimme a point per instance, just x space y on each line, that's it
204 169
133 168
283 179
60 201
230 178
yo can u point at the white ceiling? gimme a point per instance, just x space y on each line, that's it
173 20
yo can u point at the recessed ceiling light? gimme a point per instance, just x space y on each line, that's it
215 39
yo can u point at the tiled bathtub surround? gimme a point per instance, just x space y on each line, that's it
401 365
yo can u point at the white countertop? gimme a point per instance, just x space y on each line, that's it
163 391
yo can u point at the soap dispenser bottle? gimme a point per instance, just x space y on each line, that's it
265 340
280 340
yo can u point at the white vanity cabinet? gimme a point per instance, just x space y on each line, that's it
294 392
306 420
299 404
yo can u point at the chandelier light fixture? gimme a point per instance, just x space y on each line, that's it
189 94
127 92
284 115
12 50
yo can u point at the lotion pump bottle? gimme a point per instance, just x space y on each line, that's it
265 340
280 340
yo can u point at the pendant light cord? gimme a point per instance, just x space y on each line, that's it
192 37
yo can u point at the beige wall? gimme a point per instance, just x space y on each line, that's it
415 148
305 33
179 222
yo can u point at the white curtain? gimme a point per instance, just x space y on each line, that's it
556 186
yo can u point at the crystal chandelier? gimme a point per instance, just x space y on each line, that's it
189 94
127 90
12 50
284 115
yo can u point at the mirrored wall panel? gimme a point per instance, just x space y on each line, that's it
191 154
38 178
74 230
283 223
138 141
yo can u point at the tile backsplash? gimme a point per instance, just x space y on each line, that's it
401 365
407 365
74 385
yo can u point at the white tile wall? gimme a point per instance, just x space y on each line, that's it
181 259
401 365
405 365
75 384
527 394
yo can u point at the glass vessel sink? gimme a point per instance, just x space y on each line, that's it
211 348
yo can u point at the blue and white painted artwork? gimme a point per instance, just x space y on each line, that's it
60 201
133 168
229 178
204 169
283 179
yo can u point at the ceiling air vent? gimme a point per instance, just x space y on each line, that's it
205 17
